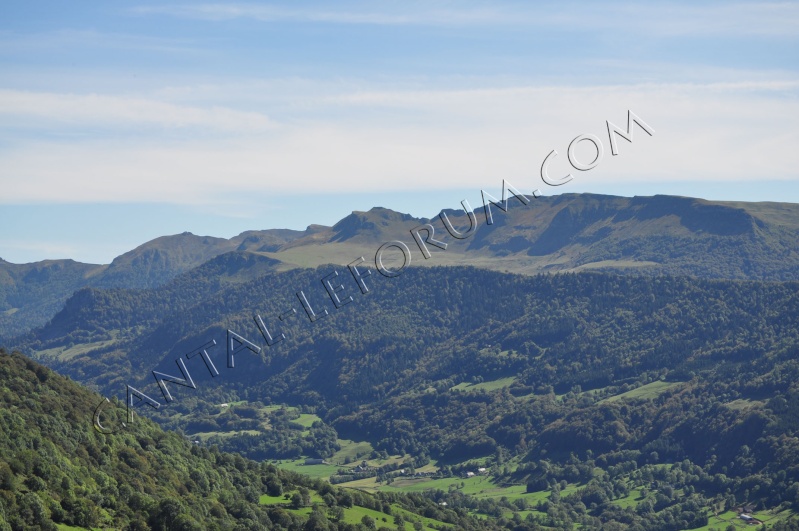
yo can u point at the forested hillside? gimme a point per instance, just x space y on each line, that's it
56 469
570 232
604 382
30 294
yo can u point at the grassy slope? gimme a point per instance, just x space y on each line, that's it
355 514
645 392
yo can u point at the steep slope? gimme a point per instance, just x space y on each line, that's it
651 235
54 468
580 371
272 239
429 324
161 259
657 235
570 232
31 294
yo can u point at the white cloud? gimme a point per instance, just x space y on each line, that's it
16 43
397 14
728 18
437 139
123 111
662 18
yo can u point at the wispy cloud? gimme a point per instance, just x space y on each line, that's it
365 14
121 111
459 99
714 132
200 104
667 19
14 43
710 19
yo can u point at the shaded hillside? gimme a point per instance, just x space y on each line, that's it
570 232
375 226
159 260
656 235
54 468
463 363
651 235
269 240
122 317
663 234
586 330
30 294
162 259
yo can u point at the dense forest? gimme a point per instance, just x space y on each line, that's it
412 367
56 469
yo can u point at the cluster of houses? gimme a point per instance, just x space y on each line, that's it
480 472
749 519
364 467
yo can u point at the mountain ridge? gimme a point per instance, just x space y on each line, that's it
643 235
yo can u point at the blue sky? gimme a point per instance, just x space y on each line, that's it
121 122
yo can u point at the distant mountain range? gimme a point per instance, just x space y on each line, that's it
569 232
30 294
